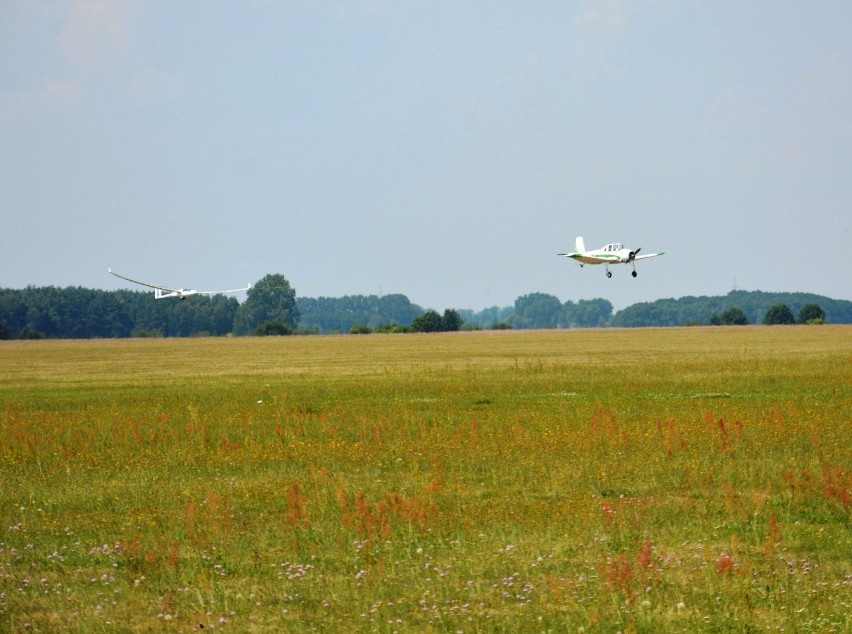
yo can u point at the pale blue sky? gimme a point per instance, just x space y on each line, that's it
444 150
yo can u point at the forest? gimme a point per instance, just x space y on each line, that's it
272 307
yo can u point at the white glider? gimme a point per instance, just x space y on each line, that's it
162 292
614 253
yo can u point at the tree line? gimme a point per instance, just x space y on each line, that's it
777 315
272 308
81 313
744 307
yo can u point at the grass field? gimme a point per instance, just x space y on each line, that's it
693 479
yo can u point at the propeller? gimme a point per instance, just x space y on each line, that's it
633 254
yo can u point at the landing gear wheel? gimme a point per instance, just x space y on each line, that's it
634 273
609 273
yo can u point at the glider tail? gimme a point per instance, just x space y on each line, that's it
579 245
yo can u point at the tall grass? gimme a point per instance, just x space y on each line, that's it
642 480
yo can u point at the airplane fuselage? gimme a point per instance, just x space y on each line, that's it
614 253
181 293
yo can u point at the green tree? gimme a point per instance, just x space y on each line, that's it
13 310
271 299
734 316
537 310
811 313
397 309
587 313
451 321
484 318
430 321
339 314
779 314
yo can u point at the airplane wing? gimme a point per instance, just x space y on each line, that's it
233 290
648 255
155 286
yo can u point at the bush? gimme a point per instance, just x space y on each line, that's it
31 333
360 329
734 316
273 329
392 329
146 333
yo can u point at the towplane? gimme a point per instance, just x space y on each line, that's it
614 253
163 292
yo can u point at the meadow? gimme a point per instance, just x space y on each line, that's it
679 480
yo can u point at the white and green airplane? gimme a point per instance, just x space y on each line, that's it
163 292
614 253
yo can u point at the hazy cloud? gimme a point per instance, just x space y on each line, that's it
154 83
96 32
53 93
597 23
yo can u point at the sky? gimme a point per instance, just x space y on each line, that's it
444 150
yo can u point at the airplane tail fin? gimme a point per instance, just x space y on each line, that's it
579 245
